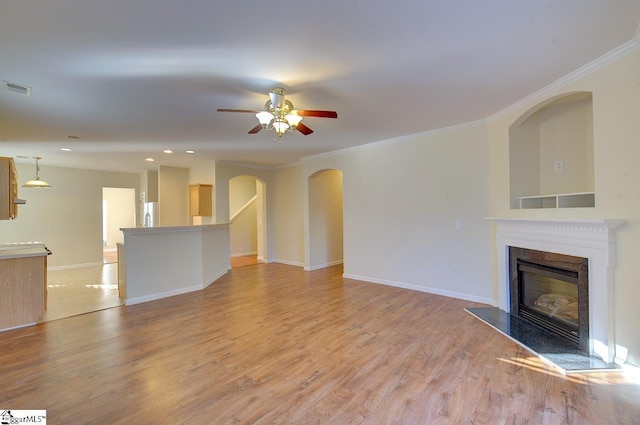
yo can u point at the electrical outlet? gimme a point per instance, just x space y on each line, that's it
558 165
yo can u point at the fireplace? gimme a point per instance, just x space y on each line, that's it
551 290
594 239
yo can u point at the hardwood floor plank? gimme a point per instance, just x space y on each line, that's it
273 344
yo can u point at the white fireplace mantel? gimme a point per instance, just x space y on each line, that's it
592 239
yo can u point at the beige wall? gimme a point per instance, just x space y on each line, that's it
289 219
244 230
224 172
524 159
173 196
67 217
120 213
325 219
566 135
152 185
402 202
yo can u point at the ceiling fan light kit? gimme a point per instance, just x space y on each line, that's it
280 116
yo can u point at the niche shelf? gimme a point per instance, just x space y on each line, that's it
551 154
560 200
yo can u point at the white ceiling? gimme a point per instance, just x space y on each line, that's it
133 77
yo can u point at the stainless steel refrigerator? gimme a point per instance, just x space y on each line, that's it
150 214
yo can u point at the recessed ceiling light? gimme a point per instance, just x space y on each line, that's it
190 151
150 159
73 137
167 151
66 149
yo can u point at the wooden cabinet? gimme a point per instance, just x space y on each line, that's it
8 189
23 287
122 273
201 200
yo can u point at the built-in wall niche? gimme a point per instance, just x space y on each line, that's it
551 154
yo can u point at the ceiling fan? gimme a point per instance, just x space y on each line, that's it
280 116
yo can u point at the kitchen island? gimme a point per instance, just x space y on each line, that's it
23 284
170 260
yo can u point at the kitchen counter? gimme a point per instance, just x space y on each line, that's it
21 252
23 284
170 260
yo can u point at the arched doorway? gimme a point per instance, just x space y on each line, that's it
325 226
247 215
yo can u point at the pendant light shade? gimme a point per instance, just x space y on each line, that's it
36 182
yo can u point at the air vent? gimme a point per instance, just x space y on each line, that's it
16 88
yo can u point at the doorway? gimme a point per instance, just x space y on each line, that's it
325 244
94 286
118 211
247 213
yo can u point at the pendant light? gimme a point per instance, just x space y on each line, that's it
36 182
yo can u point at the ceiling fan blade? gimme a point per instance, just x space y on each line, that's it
255 129
237 110
304 129
320 114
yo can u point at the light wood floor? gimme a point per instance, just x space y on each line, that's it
244 260
273 344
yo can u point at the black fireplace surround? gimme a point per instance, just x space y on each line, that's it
552 291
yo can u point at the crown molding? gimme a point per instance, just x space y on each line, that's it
243 165
288 165
399 139
583 71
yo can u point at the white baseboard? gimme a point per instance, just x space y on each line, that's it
160 295
325 265
179 291
419 288
244 254
288 263
216 277
75 266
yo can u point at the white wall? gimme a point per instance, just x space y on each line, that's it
67 217
616 128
